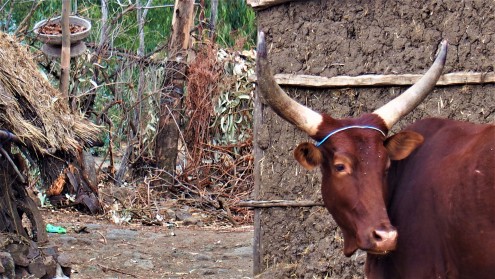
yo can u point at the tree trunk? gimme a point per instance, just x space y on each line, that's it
213 18
142 13
172 93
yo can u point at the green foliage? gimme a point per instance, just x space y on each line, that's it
233 118
124 31
236 22
233 110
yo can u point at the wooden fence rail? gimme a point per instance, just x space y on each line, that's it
460 78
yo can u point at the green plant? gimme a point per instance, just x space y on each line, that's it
236 24
233 108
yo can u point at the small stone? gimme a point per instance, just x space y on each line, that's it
208 272
203 257
140 263
243 252
50 266
182 215
49 250
64 260
91 227
117 234
170 214
190 221
37 268
22 272
67 240
7 263
19 252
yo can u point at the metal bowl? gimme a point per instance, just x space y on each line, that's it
56 50
57 39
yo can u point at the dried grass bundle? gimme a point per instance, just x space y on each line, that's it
203 79
32 109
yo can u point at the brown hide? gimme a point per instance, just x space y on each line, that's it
441 199
308 155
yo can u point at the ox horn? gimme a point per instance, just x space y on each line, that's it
299 115
394 110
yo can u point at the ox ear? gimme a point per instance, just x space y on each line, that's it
308 155
401 145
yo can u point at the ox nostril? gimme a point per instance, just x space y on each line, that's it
383 241
377 236
379 241
385 236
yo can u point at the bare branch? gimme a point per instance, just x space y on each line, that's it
25 22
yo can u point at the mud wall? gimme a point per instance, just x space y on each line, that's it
333 37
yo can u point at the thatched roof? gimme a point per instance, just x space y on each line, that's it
32 109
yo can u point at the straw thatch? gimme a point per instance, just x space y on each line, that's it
32 109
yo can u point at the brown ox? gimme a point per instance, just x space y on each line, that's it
421 203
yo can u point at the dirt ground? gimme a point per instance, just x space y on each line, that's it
106 250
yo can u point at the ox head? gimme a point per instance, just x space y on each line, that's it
353 154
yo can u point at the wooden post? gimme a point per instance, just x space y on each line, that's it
279 203
258 156
173 91
65 56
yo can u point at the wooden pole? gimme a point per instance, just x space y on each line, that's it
65 55
141 19
172 92
278 203
258 157
460 78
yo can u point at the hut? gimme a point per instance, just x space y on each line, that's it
38 132
346 58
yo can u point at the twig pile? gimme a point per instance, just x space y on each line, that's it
203 79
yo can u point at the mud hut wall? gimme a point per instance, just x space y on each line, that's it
331 38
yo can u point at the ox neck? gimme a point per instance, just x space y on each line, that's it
347 128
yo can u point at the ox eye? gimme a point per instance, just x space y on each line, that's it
339 167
